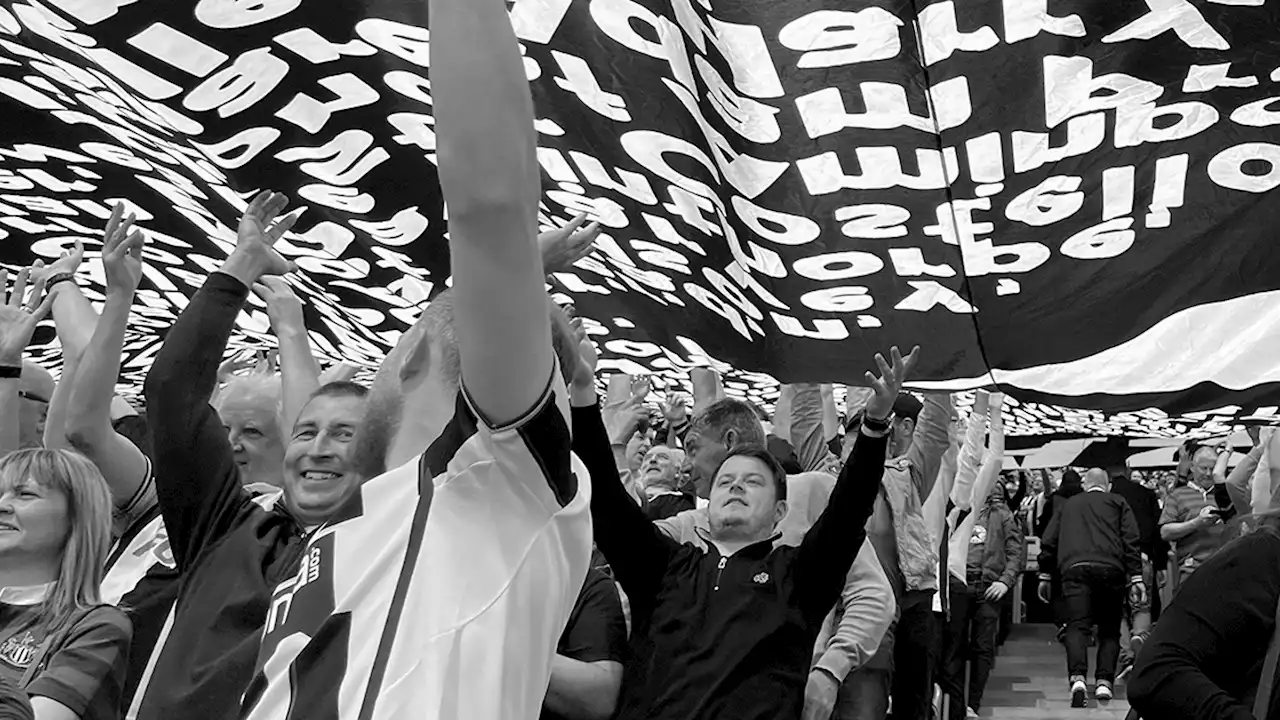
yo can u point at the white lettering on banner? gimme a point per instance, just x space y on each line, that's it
775 225
842 265
712 302
554 164
647 147
632 185
326 237
1203 78
311 115
874 221
881 169
353 157
249 79
742 46
929 293
537 20
1227 168
1117 192
617 19
735 296
751 119
407 42
1053 199
409 85
909 262
1170 188
346 199
608 212
1070 89
663 230
661 256
10 181
940 36
746 281
1106 240
239 149
1024 19
580 81
54 28
231 14
178 49
90 12
1084 135
691 208
415 129
1136 124
985 155
314 48
829 38
55 185
28 95
10 24
1179 16
115 154
748 175
854 298
1258 113
403 228
823 112
823 328
752 256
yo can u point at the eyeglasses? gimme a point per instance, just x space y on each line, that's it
32 397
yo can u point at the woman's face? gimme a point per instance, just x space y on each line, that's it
34 520
254 435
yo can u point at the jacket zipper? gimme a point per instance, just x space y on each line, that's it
719 572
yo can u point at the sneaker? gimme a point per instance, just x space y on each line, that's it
1126 667
1078 693
1102 692
970 713
1136 642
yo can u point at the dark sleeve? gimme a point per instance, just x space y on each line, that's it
638 553
197 482
14 704
87 673
1049 545
1015 550
1210 637
1129 539
827 552
597 630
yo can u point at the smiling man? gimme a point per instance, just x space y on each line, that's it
232 548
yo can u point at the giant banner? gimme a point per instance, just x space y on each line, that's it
1069 199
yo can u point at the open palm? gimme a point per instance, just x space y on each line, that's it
18 319
886 387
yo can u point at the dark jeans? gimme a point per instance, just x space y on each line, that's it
971 635
1093 595
914 658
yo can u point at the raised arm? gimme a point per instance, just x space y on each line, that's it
490 179
18 319
827 552
1239 480
933 434
88 421
299 371
868 611
74 319
197 482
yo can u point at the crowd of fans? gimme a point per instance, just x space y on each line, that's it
478 534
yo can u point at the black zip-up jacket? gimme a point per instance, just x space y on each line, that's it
231 550
1092 527
723 637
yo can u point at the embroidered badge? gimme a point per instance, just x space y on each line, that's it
979 536
19 651
761 578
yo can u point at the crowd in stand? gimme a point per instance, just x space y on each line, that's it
479 535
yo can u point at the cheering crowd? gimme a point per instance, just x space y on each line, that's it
478 535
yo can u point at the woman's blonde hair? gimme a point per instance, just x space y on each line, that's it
88 541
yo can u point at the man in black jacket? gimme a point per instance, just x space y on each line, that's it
1093 542
726 630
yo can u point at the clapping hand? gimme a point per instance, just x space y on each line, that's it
19 315
122 254
284 309
566 245
885 388
260 227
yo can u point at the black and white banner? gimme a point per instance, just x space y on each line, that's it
1069 199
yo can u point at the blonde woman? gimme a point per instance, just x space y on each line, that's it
58 642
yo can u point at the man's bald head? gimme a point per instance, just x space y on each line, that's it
36 388
1096 477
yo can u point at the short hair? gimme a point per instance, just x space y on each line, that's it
89 518
436 326
341 388
260 390
717 419
761 453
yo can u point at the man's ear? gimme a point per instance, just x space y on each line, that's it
730 438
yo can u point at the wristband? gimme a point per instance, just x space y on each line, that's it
1045 577
10 372
60 277
879 427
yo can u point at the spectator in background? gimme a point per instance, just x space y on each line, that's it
1092 542
1191 516
659 481
586 673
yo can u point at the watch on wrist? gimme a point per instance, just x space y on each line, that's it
59 278
876 425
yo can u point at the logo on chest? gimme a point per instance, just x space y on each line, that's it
979 536
761 578
19 651
282 601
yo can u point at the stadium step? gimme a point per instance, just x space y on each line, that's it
1029 681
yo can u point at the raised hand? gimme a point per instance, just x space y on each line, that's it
284 309
675 410
623 419
68 262
235 365
886 387
566 245
584 375
122 254
18 319
260 228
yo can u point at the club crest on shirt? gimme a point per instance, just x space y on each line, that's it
761 578
19 650
979 535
